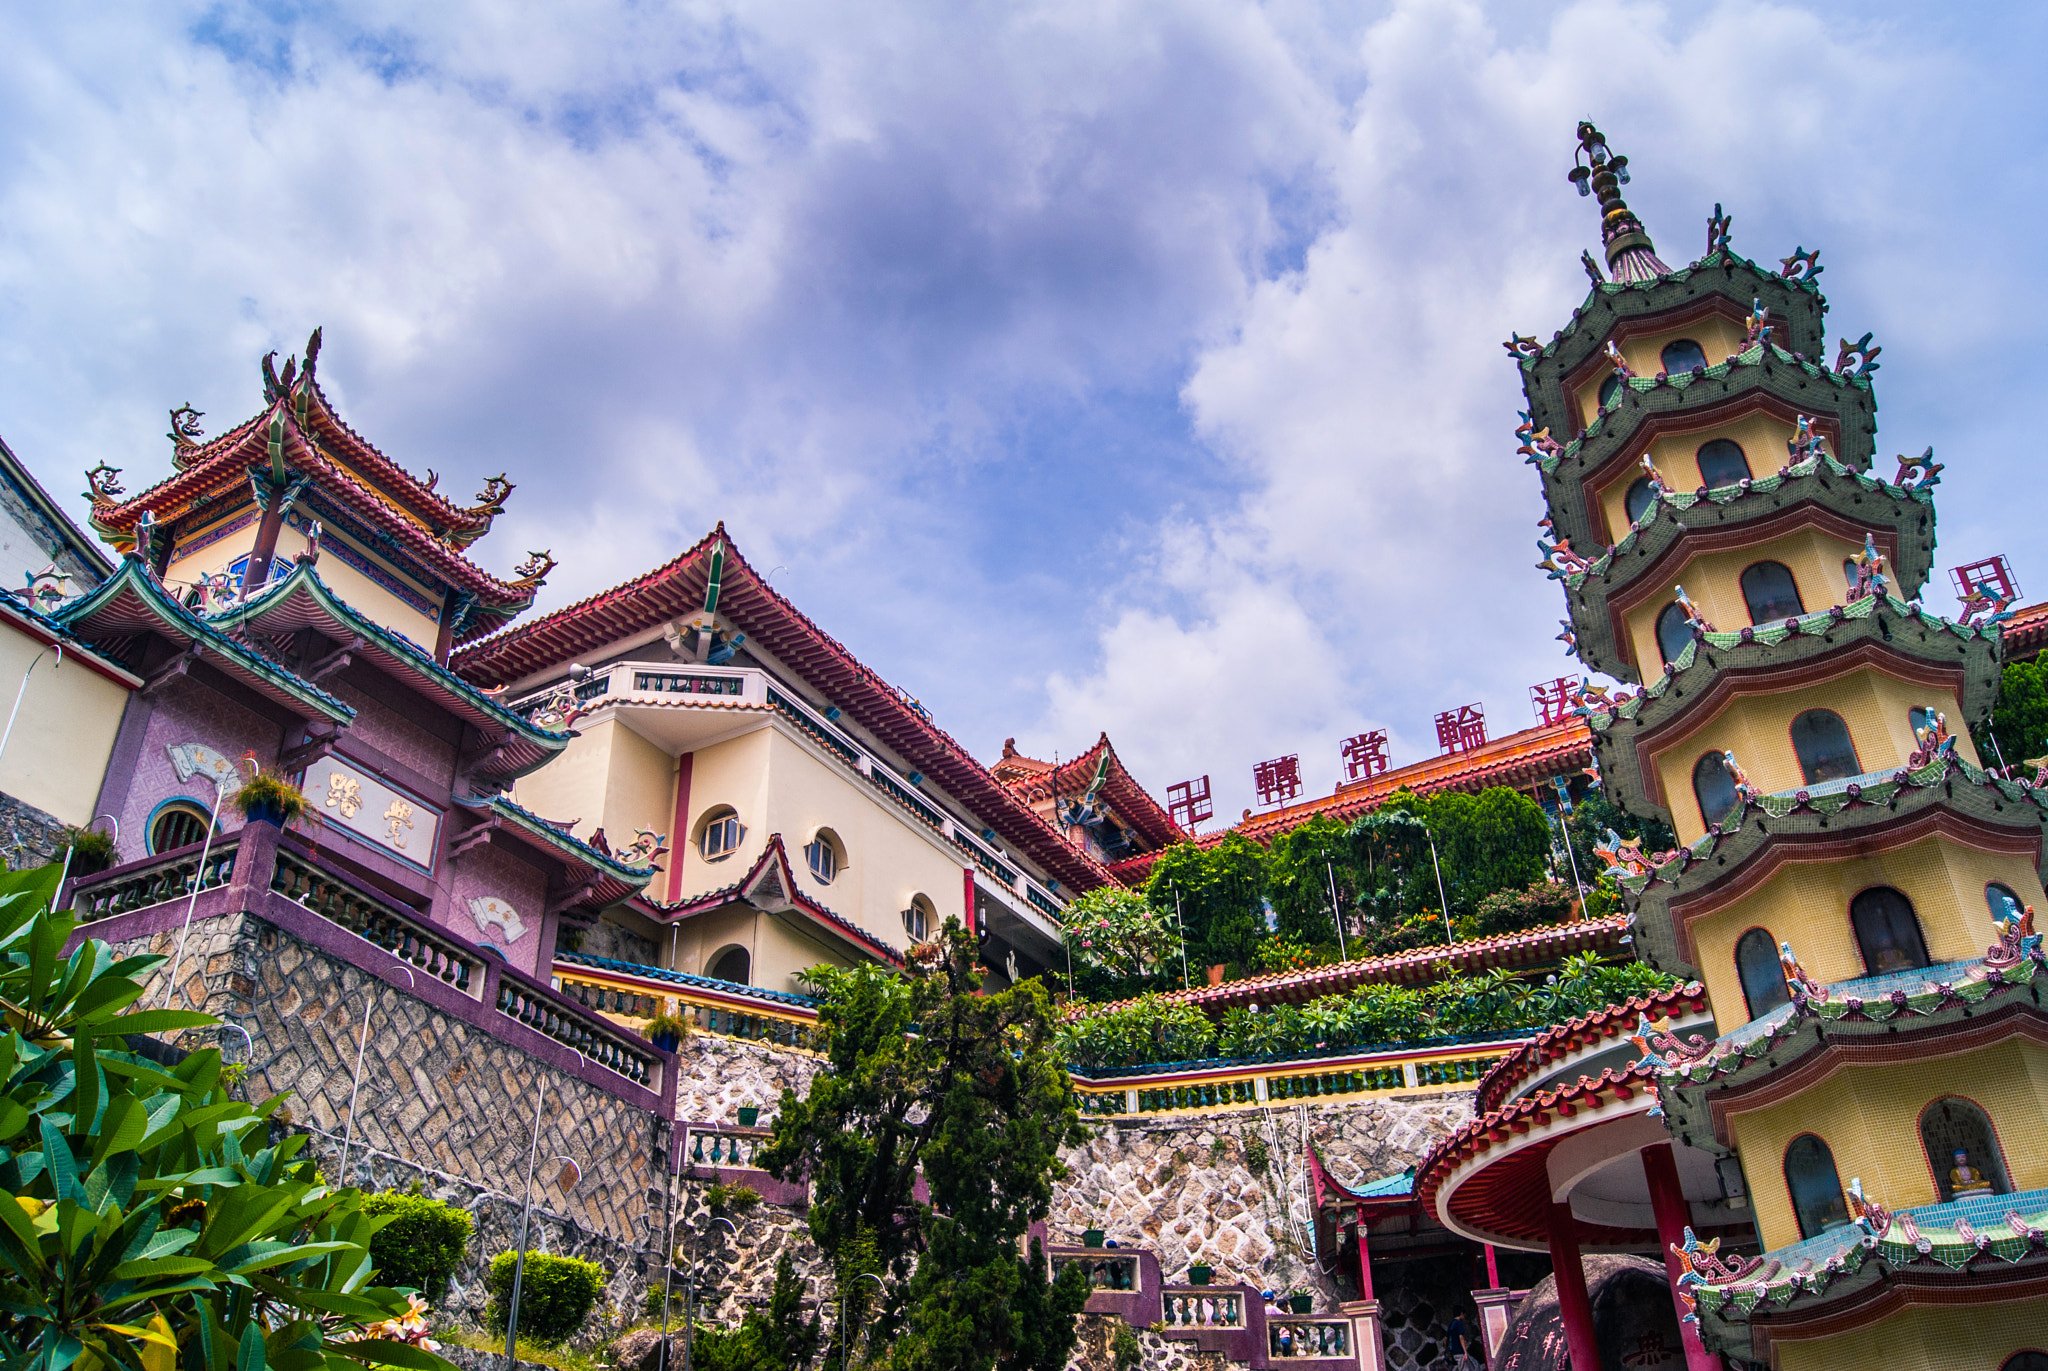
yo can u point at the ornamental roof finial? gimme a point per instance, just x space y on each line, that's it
1630 254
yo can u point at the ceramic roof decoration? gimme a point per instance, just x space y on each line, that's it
678 589
298 452
1818 492
133 602
1567 1041
508 746
1075 783
599 879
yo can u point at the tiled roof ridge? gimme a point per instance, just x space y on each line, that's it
1477 1135
446 560
1720 257
662 973
1609 1021
918 720
1344 976
557 836
134 576
409 484
304 575
1039 784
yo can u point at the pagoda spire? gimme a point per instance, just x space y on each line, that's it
1630 254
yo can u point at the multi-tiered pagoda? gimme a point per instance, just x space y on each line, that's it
1853 888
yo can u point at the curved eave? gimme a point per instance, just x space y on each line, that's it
1647 305
132 601
1948 795
1821 493
1490 1182
302 600
770 885
1764 377
609 881
1876 632
1599 1029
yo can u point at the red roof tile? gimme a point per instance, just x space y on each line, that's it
1615 1021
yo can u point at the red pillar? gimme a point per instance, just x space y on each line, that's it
1667 1201
1574 1306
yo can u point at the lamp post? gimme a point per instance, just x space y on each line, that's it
565 1181
845 1341
348 1136
12 714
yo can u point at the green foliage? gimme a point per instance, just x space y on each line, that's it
790 1340
2019 721
1511 911
730 1349
91 851
1593 816
735 1197
147 1226
1152 1030
1221 890
1278 954
1299 867
1123 935
1256 1155
1493 841
930 1076
269 788
1124 1347
555 1296
663 1024
422 1244
1454 1006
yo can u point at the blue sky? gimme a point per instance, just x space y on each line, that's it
1082 366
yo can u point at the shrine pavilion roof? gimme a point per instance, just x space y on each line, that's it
1033 780
1529 947
298 436
2026 633
511 746
678 589
1610 1024
133 602
771 884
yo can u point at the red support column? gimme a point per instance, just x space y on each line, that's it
1574 1306
1667 1201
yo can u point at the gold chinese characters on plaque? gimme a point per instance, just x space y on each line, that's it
351 798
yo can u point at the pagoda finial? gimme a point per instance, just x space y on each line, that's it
1630 254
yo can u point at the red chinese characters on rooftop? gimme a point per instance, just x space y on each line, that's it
1279 780
1461 729
1187 803
1365 755
1551 701
1993 576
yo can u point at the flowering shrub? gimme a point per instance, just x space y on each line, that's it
1121 932
409 1327
1151 1030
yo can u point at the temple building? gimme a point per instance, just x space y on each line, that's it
1832 1156
811 812
1094 802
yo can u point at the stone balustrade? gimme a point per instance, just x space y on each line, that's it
405 937
158 880
1203 1307
1294 1338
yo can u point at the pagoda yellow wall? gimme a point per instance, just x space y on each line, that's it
1758 730
1869 1116
1978 1337
1713 581
186 567
1761 438
1807 905
1719 338
57 755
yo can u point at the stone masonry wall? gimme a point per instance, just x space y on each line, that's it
28 836
1195 1189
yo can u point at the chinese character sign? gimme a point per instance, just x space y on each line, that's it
1552 701
1365 755
1188 802
1993 576
1279 780
352 799
1461 729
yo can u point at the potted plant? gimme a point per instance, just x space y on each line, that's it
1301 1301
91 851
749 1115
666 1030
1092 1237
1198 1274
268 798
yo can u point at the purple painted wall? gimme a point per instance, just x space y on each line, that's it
491 870
398 737
189 712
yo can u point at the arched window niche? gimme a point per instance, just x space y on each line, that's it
2003 901
1887 931
1637 501
176 823
734 964
1763 976
1681 355
720 833
2025 1361
1674 631
1771 594
1821 742
1722 463
1956 1134
1815 1186
1713 785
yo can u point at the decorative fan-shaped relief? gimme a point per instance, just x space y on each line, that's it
197 759
489 911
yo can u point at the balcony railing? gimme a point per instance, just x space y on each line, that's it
1201 1307
637 992
171 877
1110 1271
1311 1338
550 1018
730 1147
404 936
1193 1087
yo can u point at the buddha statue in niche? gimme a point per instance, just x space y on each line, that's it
1965 1180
